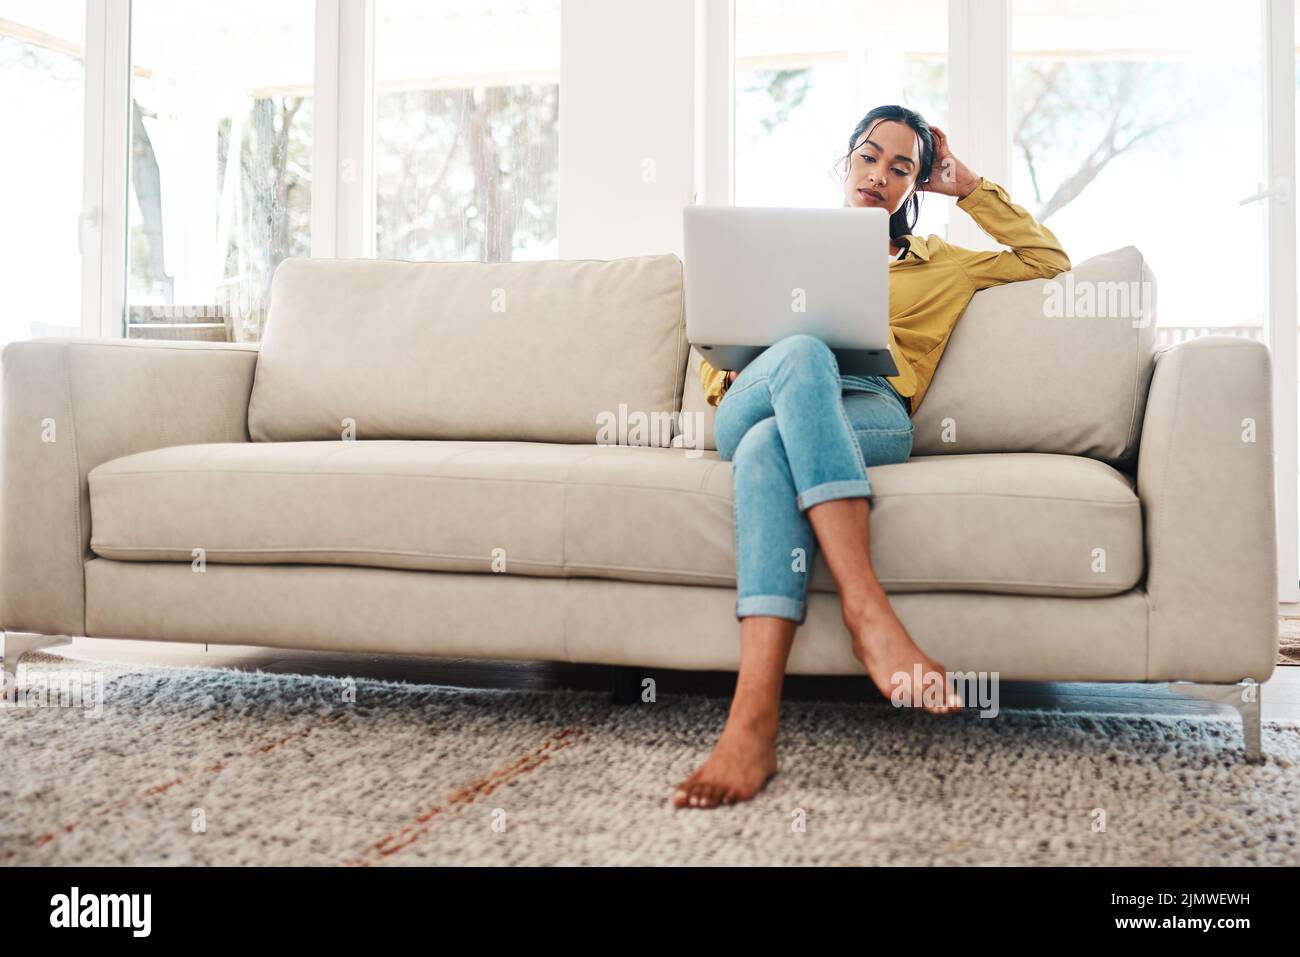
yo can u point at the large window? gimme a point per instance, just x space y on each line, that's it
467 129
220 171
1142 123
42 97
807 72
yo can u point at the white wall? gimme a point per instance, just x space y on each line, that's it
627 70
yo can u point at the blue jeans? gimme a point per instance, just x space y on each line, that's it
798 434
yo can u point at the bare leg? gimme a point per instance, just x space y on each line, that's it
880 641
745 755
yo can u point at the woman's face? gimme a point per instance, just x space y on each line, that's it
882 170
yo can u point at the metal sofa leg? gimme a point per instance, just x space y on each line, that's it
1244 696
13 645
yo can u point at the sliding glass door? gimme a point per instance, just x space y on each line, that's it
466 129
42 100
1143 124
221 118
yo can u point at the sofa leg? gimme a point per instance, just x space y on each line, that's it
1244 696
13 645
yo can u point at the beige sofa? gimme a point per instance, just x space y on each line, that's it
419 459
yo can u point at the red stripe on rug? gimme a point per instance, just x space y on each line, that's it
391 844
156 789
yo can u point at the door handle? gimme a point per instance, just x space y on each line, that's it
1280 192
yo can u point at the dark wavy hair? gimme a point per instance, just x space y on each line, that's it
902 222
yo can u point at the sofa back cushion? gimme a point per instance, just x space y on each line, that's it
1048 365
550 351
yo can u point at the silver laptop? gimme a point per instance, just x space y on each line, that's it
755 275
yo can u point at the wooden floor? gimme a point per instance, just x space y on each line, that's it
1280 695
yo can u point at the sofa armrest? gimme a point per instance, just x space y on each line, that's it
1206 480
69 405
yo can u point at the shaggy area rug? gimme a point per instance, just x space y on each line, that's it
208 766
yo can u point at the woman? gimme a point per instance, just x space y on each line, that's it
801 436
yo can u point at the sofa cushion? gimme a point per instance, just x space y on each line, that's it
1029 524
1048 365
532 351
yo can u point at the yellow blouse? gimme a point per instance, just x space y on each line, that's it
931 286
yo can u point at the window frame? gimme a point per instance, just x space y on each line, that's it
102 225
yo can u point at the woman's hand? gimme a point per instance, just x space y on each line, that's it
949 176
731 377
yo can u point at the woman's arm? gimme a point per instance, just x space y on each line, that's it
1035 252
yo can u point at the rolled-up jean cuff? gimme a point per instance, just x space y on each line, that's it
777 606
827 491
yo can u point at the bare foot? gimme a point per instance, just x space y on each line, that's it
741 762
884 647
